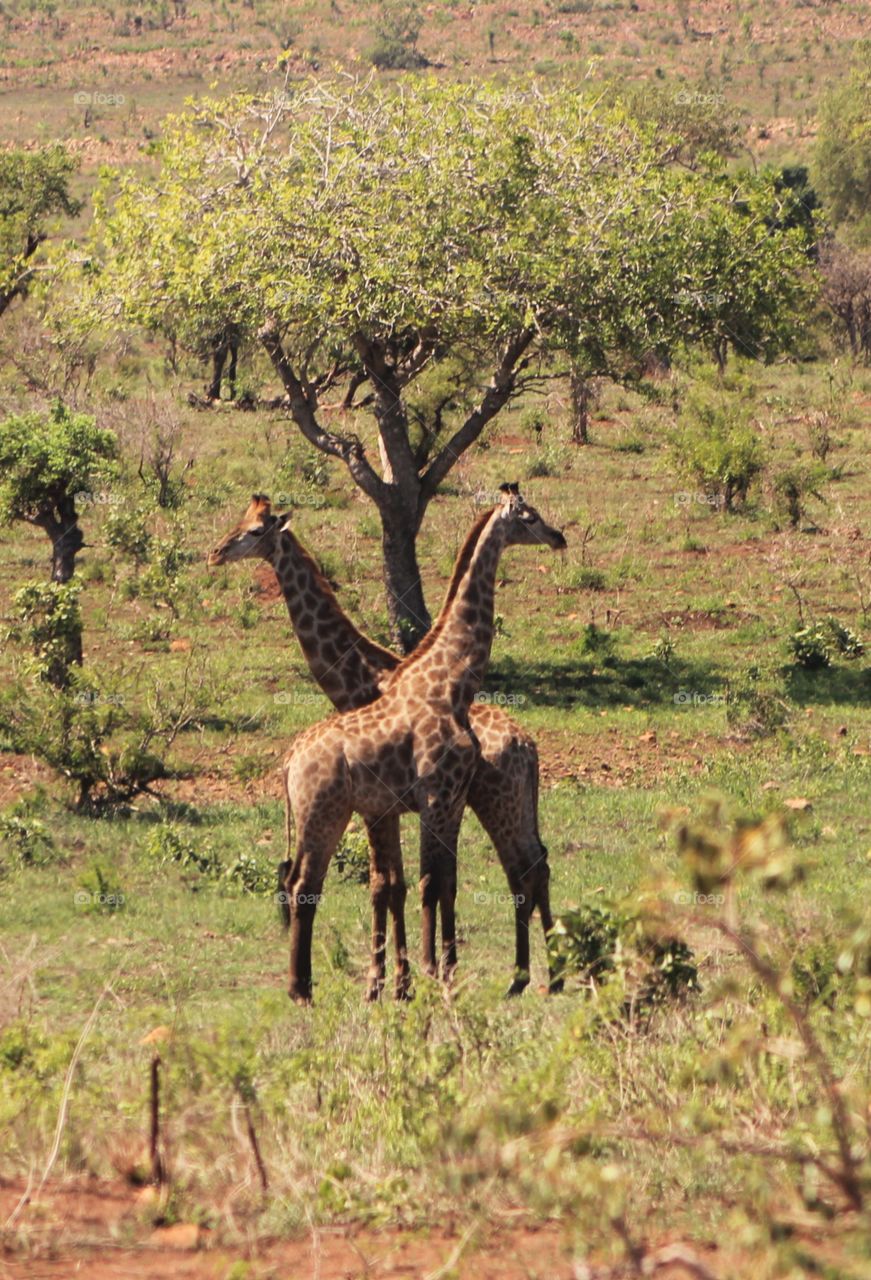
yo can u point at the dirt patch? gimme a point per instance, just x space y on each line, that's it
76 1229
617 758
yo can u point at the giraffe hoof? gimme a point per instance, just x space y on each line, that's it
519 985
555 986
300 996
374 990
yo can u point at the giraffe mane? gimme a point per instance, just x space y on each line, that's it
464 559
386 657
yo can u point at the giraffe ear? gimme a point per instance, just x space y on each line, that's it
510 493
260 504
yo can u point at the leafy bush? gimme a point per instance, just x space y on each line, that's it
251 874
397 32
794 485
168 845
50 624
716 447
597 643
598 939
99 891
24 837
126 529
756 705
810 646
352 858
846 642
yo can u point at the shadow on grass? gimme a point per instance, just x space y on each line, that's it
608 682
845 685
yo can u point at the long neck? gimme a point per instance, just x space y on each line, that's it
346 664
458 648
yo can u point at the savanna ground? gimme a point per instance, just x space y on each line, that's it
462 1133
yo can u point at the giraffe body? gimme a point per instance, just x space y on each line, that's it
352 671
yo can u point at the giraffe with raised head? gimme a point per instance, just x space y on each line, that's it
413 750
351 669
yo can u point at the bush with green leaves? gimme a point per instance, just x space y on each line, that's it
251 873
397 31
169 845
794 485
25 839
598 939
351 858
718 448
756 704
126 529
50 466
811 646
845 640
49 623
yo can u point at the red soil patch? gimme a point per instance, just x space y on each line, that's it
75 1230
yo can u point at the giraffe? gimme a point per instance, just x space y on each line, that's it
413 750
351 669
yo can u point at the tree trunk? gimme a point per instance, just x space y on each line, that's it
219 356
580 393
406 607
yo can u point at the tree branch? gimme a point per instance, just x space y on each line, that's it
498 393
303 407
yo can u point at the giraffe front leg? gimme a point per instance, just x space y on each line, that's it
379 890
438 863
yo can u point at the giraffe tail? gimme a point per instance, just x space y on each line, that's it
282 896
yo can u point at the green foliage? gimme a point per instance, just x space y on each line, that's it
251 873
169 845
351 858
756 704
717 447
126 529
34 185
843 149
811 647
50 624
397 31
845 641
24 837
597 939
793 485
48 459
597 643
99 890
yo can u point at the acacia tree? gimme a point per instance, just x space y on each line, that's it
465 239
842 153
46 462
34 185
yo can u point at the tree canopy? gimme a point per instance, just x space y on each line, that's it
33 186
843 149
389 234
46 462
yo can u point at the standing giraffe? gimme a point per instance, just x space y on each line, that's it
414 750
351 670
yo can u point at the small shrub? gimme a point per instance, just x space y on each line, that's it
24 837
168 845
756 706
396 35
126 530
251 874
352 858
99 891
716 447
793 486
810 646
584 578
846 642
596 643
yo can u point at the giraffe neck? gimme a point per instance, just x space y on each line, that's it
346 664
458 647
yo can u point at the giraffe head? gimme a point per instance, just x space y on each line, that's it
526 527
254 535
